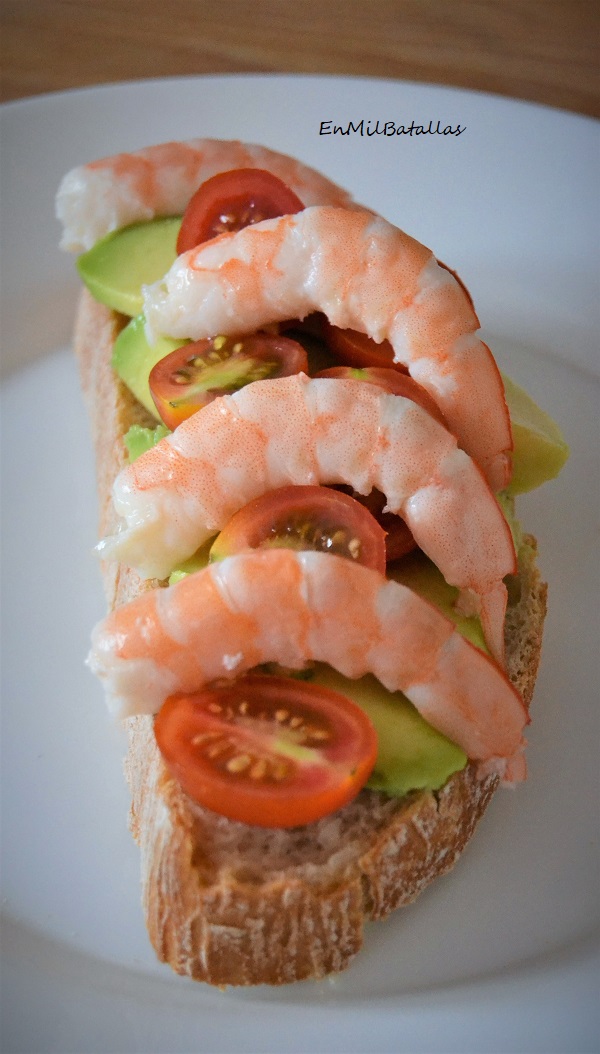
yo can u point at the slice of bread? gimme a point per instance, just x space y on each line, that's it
237 905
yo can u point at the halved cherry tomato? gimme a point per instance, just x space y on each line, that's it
398 536
195 374
265 750
232 200
399 540
356 349
390 381
302 518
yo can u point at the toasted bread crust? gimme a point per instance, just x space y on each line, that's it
236 905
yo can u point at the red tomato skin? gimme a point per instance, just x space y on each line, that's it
399 540
356 349
188 727
251 526
260 347
246 195
391 381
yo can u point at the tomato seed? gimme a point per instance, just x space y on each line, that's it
238 763
354 548
282 715
258 770
279 770
217 748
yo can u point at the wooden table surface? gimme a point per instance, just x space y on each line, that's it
539 50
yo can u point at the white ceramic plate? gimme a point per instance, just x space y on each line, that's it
501 954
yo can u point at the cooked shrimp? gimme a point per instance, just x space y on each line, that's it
364 274
291 608
101 197
302 431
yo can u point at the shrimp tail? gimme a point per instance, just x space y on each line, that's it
492 612
510 771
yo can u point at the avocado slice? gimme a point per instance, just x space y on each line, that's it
133 358
540 450
411 754
115 268
418 573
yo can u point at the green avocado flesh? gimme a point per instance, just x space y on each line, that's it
540 450
139 439
133 359
419 574
411 754
115 269
195 563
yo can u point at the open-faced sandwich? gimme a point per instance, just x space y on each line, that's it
325 620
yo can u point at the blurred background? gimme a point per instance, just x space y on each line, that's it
544 51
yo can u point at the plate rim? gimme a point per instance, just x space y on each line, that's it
113 87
